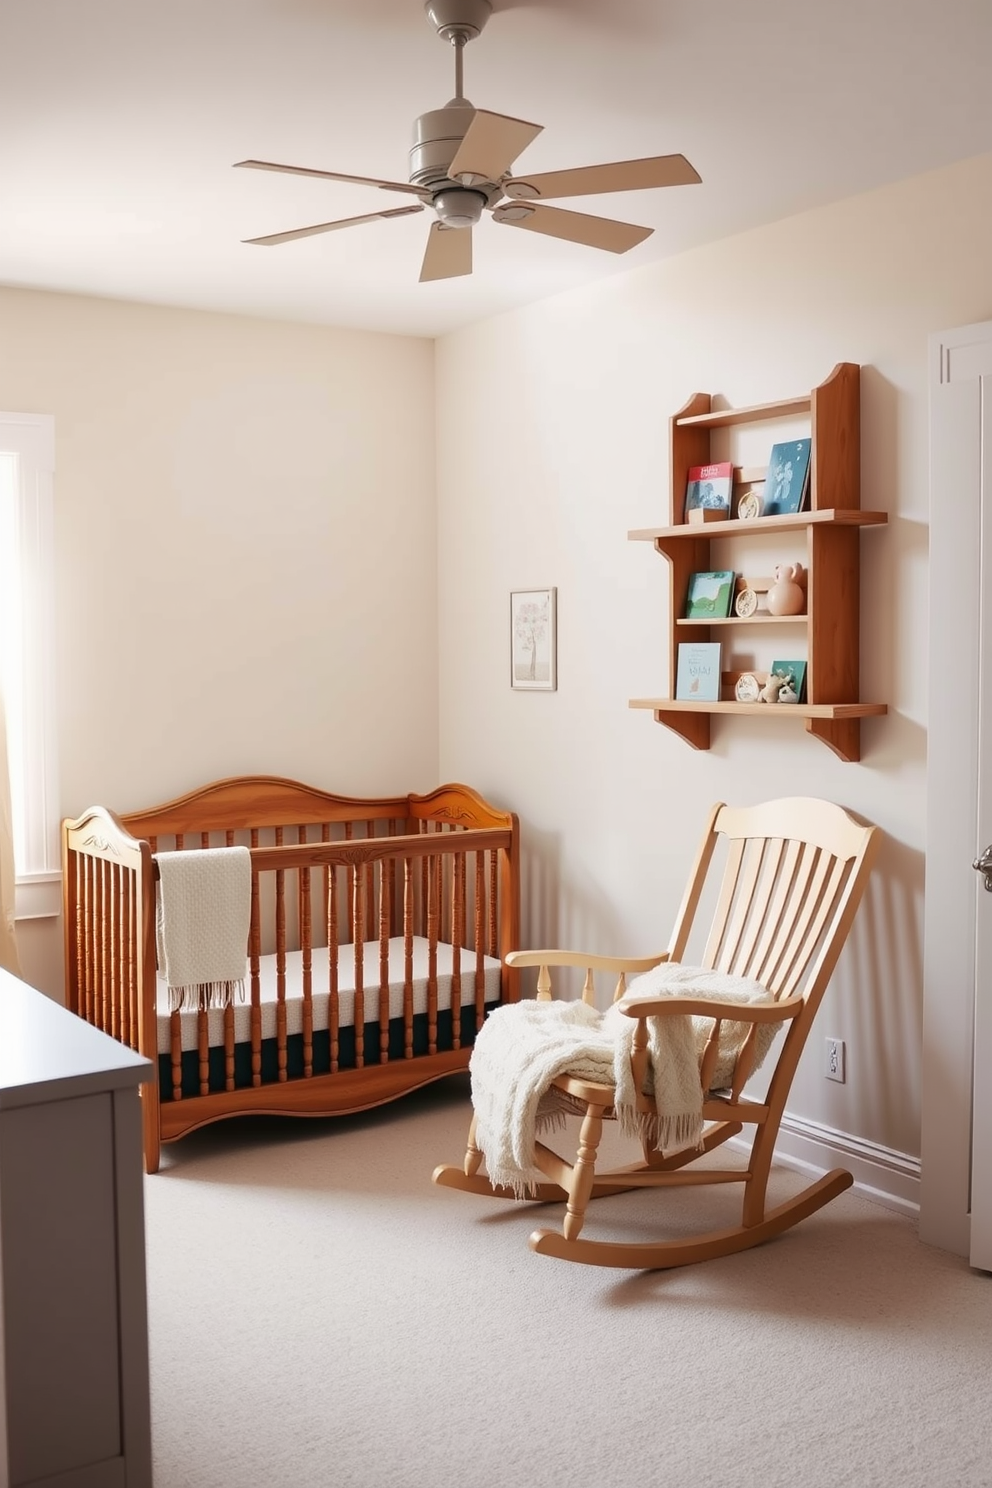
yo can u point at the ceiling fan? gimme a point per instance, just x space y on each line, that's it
460 165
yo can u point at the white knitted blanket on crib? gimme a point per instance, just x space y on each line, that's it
523 1046
202 916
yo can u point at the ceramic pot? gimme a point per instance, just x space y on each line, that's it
787 596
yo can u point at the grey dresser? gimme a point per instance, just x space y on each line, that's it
74 1409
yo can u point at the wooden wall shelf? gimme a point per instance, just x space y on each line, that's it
832 529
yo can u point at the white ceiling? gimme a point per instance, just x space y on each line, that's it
120 121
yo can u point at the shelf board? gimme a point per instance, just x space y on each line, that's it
707 531
720 417
767 710
747 620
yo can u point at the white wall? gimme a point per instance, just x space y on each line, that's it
552 445
246 566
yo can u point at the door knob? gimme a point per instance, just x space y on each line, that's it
983 865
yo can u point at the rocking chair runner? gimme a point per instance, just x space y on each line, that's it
794 875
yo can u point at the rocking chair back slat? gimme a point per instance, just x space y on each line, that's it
797 873
814 923
739 912
724 906
767 862
782 863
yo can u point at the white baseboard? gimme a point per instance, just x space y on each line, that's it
881 1174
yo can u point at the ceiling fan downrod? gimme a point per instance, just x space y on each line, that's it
458 21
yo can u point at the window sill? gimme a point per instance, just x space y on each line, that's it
38 896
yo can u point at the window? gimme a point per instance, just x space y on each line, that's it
27 646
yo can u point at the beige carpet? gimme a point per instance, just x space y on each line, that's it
321 1314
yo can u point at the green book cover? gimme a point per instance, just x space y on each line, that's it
709 595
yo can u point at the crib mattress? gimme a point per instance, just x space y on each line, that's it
268 991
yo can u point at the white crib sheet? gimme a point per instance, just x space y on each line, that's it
346 991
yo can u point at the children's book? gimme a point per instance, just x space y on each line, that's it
698 674
787 484
793 675
709 595
709 486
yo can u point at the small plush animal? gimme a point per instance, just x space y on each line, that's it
772 688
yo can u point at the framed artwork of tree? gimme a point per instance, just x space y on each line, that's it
533 641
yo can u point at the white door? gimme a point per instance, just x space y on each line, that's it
956 1169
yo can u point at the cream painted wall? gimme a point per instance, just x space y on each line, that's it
246 552
552 444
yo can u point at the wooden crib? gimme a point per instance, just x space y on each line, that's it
378 931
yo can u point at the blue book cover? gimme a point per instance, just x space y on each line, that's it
698 675
788 478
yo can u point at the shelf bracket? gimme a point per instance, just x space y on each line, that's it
842 735
694 728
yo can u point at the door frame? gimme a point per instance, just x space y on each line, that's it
959 359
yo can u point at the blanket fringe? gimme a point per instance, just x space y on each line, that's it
201 996
663 1133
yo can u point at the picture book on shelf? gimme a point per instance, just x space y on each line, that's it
792 675
709 595
698 673
787 483
709 487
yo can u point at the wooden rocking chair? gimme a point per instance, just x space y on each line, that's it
794 873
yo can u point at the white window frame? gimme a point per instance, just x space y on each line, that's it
27 659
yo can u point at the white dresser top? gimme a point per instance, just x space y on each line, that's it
47 1053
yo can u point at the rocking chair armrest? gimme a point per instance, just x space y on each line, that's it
583 959
706 1007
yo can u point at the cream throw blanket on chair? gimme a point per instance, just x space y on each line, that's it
523 1046
203 912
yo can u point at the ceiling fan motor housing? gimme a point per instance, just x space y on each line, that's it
436 138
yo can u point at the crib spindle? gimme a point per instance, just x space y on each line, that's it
111 971
457 942
89 990
306 938
409 887
433 921
480 939
203 1050
333 941
255 951
176 1056
385 910
129 1021
102 952
370 902
493 946
229 1047
358 946
280 966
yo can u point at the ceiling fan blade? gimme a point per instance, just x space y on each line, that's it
619 175
575 227
448 253
301 170
491 144
321 227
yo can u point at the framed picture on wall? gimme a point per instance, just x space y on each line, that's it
533 642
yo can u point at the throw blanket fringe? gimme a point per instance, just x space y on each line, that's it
523 1046
203 913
